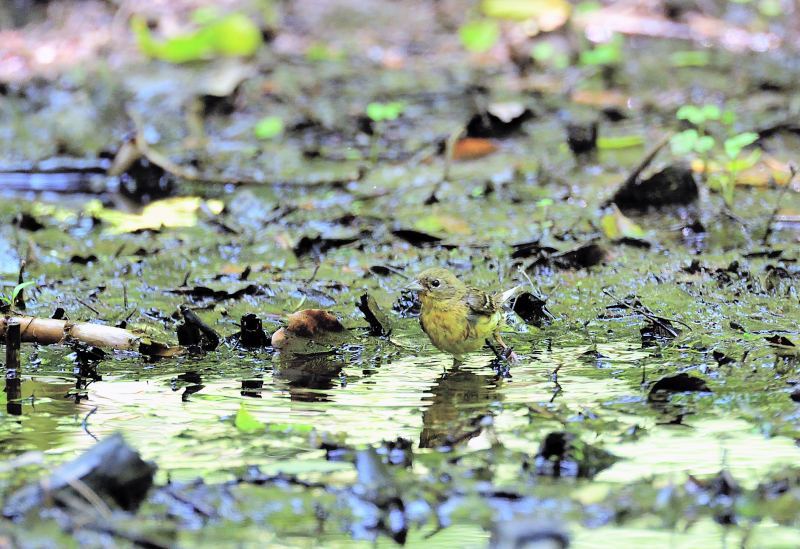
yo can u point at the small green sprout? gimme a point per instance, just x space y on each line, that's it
11 299
378 112
605 54
727 151
268 127
480 35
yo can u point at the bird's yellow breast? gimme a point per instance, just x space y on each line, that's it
452 329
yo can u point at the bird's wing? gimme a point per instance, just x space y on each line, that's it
480 303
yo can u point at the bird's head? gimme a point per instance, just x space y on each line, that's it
437 283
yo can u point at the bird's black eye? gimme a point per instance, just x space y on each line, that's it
435 283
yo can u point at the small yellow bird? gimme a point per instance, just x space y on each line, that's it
457 318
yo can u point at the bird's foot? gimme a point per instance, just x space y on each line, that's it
509 355
506 353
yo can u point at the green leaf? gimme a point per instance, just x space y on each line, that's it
691 113
734 145
704 144
232 35
609 53
711 112
247 422
18 288
692 58
379 112
619 141
725 184
770 8
683 143
235 35
728 117
319 51
615 226
543 51
268 127
480 35
584 8
739 164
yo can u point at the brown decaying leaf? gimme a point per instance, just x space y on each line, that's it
470 148
308 323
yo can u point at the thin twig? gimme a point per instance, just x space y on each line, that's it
647 314
771 220
647 160
317 265
95 311
91 496
85 423
450 146
558 390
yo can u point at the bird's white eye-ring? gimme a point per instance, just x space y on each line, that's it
435 283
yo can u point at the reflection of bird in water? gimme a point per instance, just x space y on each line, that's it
308 375
461 400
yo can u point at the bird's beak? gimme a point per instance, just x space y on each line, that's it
414 286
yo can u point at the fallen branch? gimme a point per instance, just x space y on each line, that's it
50 331
658 320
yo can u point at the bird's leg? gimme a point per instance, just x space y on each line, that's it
508 353
494 350
456 364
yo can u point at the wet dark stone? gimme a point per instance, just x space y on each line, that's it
678 383
562 454
144 182
83 260
721 358
488 125
111 469
416 238
252 334
778 339
672 186
193 332
582 137
532 249
582 257
318 245
252 388
532 309
27 222
379 324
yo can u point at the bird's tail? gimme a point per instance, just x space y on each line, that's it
508 294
